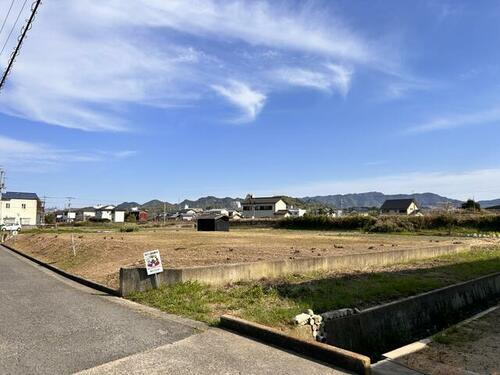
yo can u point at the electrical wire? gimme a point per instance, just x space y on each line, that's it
24 31
13 27
7 16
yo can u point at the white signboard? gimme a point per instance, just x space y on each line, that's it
153 262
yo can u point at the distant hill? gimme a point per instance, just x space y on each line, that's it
489 203
376 199
211 202
370 199
127 205
156 206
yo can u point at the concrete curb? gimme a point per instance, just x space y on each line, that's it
78 279
342 358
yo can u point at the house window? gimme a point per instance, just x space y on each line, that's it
23 206
7 205
246 208
264 208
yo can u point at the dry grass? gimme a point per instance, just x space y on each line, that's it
100 255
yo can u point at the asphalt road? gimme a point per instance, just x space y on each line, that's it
50 325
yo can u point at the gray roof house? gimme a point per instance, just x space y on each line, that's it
400 206
20 208
262 207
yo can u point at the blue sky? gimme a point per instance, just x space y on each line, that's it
112 101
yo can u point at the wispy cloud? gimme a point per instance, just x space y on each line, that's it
455 121
86 62
481 184
31 156
262 23
331 77
250 101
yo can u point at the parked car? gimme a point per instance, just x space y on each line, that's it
10 227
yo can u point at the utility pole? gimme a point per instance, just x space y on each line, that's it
69 205
2 191
164 213
24 31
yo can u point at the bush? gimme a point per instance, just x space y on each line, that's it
97 220
129 228
130 218
327 223
50 218
386 224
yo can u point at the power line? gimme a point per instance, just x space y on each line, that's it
7 16
13 27
24 31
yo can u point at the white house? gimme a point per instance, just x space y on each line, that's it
262 207
218 211
297 212
110 213
84 214
235 214
68 216
400 206
20 208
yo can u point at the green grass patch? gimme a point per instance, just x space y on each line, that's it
276 302
457 335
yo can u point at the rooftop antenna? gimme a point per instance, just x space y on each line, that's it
69 199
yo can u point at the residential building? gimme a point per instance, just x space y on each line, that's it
262 207
20 208
140 215
110 213
235 214
84 214
282 213
400 206
297 212
217 211
67 216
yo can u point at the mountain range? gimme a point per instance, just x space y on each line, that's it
369 199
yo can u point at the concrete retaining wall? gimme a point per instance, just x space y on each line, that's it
383 328
136 279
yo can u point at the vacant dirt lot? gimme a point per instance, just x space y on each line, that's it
472 348
99 256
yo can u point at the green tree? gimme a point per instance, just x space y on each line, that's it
131 218
50 218
471 205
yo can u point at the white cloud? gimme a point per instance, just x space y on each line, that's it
33 156
480 184
455 121
331 77
250 101
87 62
254 22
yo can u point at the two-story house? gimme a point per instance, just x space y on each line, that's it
110 213
263 206
20 208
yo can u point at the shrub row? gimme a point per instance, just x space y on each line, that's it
385 224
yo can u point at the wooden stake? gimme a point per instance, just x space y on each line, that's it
73 244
